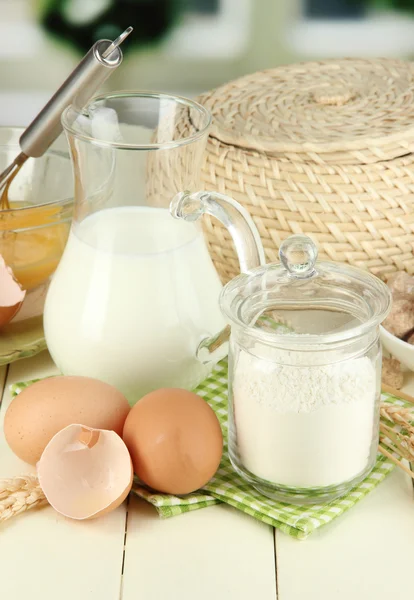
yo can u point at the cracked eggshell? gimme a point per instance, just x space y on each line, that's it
84 472
11 294
49 405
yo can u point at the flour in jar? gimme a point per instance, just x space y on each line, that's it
304 426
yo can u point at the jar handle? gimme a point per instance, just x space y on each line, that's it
246 238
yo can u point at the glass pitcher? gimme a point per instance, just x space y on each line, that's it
134 301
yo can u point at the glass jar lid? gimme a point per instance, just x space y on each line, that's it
305 300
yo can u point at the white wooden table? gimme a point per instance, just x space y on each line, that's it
211 554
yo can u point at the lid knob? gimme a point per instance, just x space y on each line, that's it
298 255
333 96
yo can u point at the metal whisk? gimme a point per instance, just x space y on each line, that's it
77 89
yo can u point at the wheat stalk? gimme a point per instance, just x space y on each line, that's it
18 495
398 438
397 414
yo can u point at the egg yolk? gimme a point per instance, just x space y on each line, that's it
32 242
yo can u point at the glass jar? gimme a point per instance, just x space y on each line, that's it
304 374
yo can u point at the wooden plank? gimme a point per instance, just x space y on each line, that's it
3 375
363 554
44 556
213 553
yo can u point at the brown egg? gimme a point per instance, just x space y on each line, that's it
46 407
174 439
11 294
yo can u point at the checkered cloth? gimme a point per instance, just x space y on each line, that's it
227 486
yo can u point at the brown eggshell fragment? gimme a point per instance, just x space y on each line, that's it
174 439
11 294
49 405
400 321
85 473
401 282
392 374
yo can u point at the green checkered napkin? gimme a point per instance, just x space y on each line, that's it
227 486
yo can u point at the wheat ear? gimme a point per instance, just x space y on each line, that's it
18 495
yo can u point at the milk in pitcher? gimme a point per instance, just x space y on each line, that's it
133 296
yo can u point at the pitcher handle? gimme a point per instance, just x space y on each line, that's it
246 238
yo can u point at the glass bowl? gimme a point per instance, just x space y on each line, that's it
33 234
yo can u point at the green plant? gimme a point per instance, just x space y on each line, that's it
400 5
81 23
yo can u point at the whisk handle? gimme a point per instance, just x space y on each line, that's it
93 70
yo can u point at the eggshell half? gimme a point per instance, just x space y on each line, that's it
174 439
84 472
46 407
11 294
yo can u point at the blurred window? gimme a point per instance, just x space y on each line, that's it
334 9
227 22
353 28
204 6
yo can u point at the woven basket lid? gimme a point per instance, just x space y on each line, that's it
344 111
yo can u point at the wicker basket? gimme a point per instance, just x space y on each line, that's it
324 149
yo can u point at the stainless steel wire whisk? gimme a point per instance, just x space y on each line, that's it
93 70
